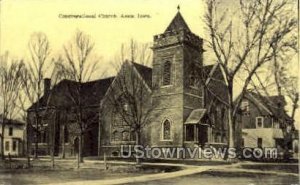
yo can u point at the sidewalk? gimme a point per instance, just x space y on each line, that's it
189 170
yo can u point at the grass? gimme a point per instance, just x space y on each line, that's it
42 172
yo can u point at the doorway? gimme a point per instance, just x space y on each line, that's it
203 134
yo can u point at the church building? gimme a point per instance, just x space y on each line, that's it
183 93
179 102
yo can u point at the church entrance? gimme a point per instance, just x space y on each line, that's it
203 134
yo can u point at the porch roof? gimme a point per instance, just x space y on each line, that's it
195 116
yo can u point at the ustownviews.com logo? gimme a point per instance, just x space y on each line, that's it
211 152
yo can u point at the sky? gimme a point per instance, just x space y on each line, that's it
19 19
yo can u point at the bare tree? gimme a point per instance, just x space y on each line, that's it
79 66
10 83
130 93
33 77
247 43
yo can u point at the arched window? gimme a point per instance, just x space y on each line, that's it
167 73
125 136
166 130
116 136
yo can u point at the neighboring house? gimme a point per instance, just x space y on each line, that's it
296 144
13 137
265 122
181 91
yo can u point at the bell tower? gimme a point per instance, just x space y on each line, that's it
177 56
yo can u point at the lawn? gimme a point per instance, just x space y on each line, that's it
42 172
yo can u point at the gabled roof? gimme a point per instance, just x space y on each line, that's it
145 72
178 23
60 95
207 69
273 104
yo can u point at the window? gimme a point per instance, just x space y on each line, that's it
125 136
167 73
125 107
259 122
224 138
14 145
116 136
245 106
259 142
7 145
10 131
218 138
189 132
166 130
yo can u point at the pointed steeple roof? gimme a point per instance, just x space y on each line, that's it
178 23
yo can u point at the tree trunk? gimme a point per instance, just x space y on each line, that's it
53 143
63 142
81 142
137 143
231 133
79 156
2 138
230 129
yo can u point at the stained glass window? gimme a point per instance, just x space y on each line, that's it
167 130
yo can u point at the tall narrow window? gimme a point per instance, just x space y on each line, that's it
14 148
167 130
167 73
7 145
10 131
116 136
259 122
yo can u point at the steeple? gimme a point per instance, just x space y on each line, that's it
178 23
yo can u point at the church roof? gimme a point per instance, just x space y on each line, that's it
145 72
177 23
92 93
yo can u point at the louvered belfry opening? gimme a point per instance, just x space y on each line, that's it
167 73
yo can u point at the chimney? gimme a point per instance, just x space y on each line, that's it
47 85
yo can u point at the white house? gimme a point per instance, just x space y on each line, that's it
13 137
